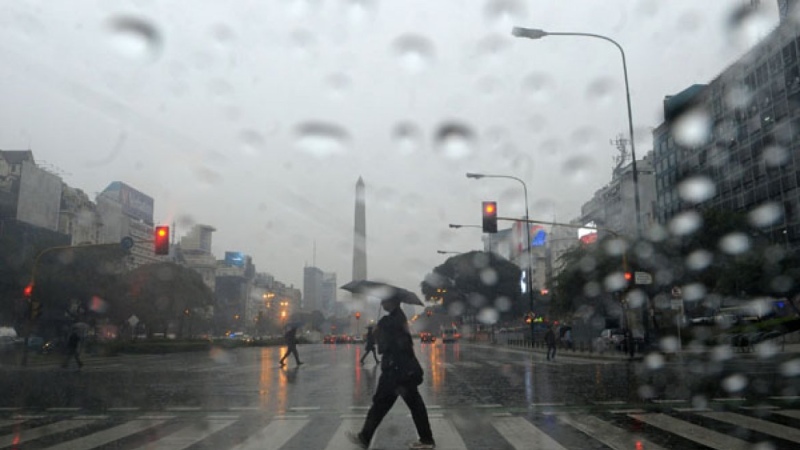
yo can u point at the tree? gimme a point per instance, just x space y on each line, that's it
470 282
160 293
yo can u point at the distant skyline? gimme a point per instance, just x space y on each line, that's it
256 117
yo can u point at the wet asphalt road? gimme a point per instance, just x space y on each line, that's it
456 376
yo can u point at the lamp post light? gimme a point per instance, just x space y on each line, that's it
445 252
533 33
478 176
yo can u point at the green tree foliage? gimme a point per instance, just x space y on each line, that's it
468 282
159 294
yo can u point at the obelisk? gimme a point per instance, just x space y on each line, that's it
360 235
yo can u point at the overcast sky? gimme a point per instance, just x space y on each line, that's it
257 117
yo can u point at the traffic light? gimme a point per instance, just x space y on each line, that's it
628 277
27 292
358 316
36 309
490 217
161 240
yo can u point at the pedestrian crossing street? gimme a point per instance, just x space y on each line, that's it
770 427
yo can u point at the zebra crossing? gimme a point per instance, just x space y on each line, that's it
730 429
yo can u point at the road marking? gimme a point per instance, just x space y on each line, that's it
759 407
793 413
244 408
692 409
88 417
523 435
363 408
188 436
610 402
27 417
627 411
182 408
63 409
608 434
785 397
669 401
502 414
5 423
692 432
109 435
305 408
31 434
489 405
274 435
546 404
353 416
292 417
446 435
470 364
10 409
124 409
339 439
222 417
156 417
728 399
762 426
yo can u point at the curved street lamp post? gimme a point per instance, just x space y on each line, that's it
533 33
529 277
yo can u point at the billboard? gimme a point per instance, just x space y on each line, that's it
134 203
588 234
234 259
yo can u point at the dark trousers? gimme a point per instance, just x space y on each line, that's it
367 351
551 351
383 400
291 350
72 353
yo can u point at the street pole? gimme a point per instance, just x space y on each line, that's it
532 33
527 247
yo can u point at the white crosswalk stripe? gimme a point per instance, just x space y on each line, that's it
274 435
693 432
109 435
522 435
155 431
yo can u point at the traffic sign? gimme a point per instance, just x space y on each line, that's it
643 278
126 243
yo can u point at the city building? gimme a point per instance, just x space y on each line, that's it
79 218
328 291
751 155
194 252
127 212
233 289
319 291
28 193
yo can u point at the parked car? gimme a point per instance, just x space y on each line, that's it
329 339
609 339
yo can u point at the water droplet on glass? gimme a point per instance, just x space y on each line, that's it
685 223
791 368
776 156
338 84
539 87
454 141
415 53
358 11
654 361
488 316
601 91
615 247
592 289
136 38
490 86
738 96
505 13
766 215
697 189
303 45
503 304
489 276
322 139
577 169
699 260
208 176
252 143
222 34
694 291
492 48
690 21
615 282
748 24
669 344
407 138
456 308
766 349
537 123
734 243
734 383
300 8
693 128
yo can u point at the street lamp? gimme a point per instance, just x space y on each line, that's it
478 176
533 33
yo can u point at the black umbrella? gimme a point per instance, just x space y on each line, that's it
383 291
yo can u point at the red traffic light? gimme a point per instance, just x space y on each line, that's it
28 290
628 276
358 315
161 240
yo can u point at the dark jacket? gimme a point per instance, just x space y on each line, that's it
550 337
291 336
394 340
370 338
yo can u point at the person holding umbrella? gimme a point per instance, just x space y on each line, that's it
401 373
369 347
291 343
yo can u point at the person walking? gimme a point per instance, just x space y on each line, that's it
550 340
369 347
401 373
73 344
291 342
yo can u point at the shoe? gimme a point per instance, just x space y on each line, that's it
421 445
356 439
